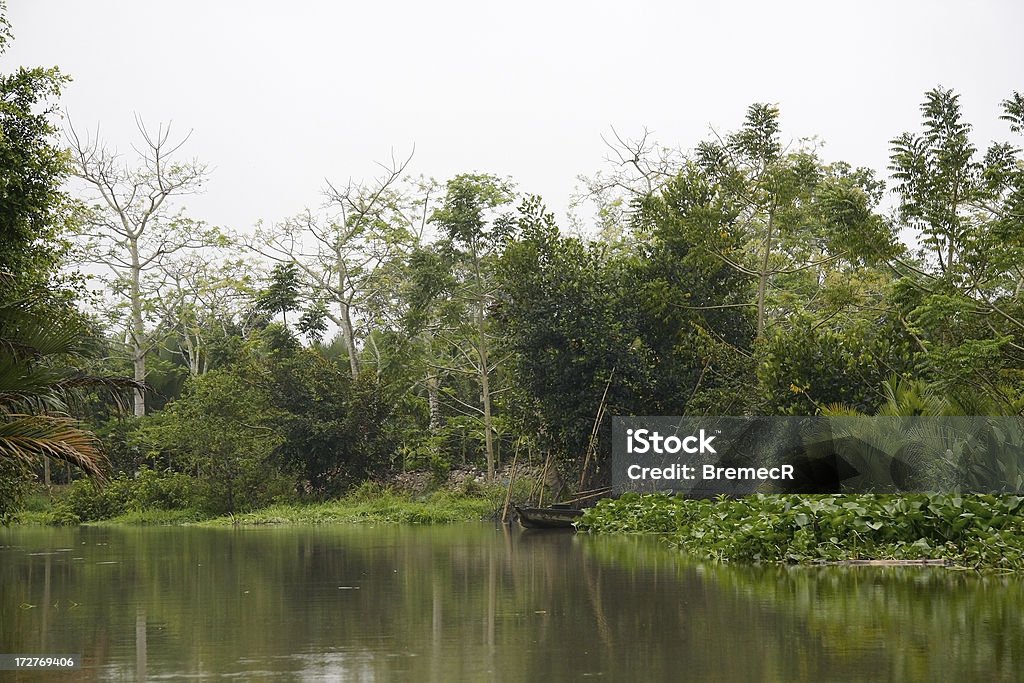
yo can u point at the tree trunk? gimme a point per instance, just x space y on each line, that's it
480 297
192 353
348 335
953 230
138 331
344 322
762 283
434 403
485 392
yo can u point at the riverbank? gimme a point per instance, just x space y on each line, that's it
381 507
972 531
369 503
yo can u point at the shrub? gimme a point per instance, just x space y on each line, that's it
14 484
162 490
84 501
147 490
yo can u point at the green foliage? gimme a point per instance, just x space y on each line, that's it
83 501
808 365
975 455
781 219
373 504
313 322
34 211
559 316
15 479
967 208
165 490
277 419
975 531
939 177
453 296
218 430
656 327
330 430
124 443
468 199
282 293
148 490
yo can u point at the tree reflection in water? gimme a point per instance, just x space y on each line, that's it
475 602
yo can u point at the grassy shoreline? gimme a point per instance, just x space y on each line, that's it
440 507
365 505
967 531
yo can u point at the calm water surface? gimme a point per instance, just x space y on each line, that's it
479 603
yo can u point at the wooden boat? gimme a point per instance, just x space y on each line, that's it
554 517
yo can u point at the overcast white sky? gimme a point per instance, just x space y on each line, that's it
283 95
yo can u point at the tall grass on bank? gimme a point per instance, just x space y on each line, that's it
147 501
371 503
980 531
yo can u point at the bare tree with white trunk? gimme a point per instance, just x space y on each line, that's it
131 225
341 254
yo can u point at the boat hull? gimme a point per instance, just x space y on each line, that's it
547 518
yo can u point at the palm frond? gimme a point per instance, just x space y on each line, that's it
28 387
38 380
115 385
840 410
24 333
28 438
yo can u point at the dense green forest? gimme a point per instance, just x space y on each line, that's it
411 323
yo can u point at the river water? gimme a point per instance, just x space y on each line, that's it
476 602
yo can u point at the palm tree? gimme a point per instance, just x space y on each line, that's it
976 447
37 379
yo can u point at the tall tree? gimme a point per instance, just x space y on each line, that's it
131 227
941 187
795 215
343 254
567 336
472 239
35 212
967 309
202 297
967 209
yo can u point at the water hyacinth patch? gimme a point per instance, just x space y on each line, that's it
980 531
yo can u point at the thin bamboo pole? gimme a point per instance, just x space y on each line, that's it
596 493
511 483
591 444
544 479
